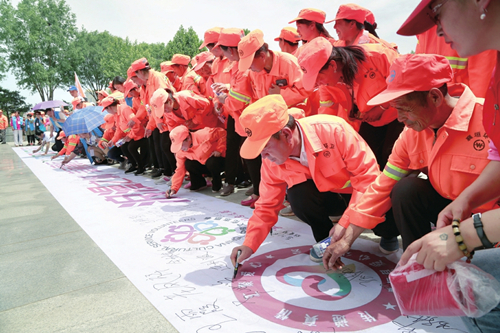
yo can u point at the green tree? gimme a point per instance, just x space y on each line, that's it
36 37
184 42
12 101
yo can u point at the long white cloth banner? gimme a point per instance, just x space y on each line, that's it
176 252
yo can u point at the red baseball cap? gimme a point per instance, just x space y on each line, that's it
310 14
261 120
247 48
130 72
160 96
230 37
102 92
414 72
128 86
370 17
290 34
178 135
313 57
211 36
419 21
351 11
77 100
107 101
180 59
202 58
140 64
166 67
61 135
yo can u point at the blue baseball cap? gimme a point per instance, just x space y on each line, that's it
71 88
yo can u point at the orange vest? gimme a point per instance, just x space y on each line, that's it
453 159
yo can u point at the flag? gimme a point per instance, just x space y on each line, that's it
79 87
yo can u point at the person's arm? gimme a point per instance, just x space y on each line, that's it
439 248
484 189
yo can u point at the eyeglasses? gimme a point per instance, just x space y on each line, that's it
435 15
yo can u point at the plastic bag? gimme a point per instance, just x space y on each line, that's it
462 289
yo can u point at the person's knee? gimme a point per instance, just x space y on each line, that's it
409 188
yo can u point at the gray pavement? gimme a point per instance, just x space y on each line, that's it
53 277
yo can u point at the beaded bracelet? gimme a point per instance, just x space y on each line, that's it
460 240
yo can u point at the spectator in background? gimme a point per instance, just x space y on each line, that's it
3 126
73 91
17 122
30 129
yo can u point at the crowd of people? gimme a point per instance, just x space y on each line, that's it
29 126
345 128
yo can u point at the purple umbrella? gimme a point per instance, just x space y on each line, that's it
48 105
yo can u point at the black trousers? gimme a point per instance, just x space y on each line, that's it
152 150
314 208
168 158
214 166
253 167
381 139
415 204
234 164
115 154
139 151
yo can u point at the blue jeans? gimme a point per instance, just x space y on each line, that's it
488 261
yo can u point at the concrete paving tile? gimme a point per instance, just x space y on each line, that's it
65 263
115 306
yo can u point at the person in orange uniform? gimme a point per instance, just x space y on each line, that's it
135 146
201 152
211 37
78 103
288 40
101 94
443 137
4 123
168 71
321 159
70 144
189 79
469 71
203 68
365 72
231 99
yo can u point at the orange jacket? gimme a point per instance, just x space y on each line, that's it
339 161
4 123
192 81
195 111
337 101
365 38
453 159
108 133
473 71
205 142
218 70
70 145
141 116
370 80
285 66
239 96
155 81
123 116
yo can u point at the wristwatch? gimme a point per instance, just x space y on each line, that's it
478 224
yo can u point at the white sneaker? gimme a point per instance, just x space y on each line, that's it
162 181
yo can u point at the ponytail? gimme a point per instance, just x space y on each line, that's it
371 28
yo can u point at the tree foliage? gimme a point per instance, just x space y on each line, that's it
184 42
12 101
37 35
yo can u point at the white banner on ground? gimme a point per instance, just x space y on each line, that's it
176 252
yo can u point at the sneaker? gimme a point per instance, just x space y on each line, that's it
314 257
162 180
123 165
227 190
249 192
287 211
131 169
388 245
156 173
249 201
244 184
139 171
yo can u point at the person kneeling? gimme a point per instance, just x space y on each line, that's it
199 153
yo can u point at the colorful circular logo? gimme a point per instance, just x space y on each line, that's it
195 233
287 288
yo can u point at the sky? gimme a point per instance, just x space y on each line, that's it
153 21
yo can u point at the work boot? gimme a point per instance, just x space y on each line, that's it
227 190
156 172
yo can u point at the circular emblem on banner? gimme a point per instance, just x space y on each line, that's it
287 288
196 233
248 131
